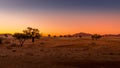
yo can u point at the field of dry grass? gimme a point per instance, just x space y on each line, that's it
61 53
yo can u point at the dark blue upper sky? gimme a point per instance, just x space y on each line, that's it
64 4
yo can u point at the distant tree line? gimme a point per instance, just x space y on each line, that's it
94 36
64 36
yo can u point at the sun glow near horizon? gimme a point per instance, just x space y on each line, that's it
60 22
64 17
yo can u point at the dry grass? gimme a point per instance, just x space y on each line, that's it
62 53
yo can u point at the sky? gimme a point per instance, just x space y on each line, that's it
60 16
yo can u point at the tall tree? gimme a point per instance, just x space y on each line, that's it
33 33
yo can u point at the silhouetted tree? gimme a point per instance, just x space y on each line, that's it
33 33
65 36
80 36
1 39
60 36
49 35
96 37
21 38
69 35
54 36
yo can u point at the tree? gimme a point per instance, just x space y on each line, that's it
69 36
1 39
60 36
65 35
80 36
54 36
21 37
96 37
33 33
49 35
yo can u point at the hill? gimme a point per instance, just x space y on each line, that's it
82 34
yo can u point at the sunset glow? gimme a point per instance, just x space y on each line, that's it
60 21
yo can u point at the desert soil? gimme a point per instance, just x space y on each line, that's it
61 53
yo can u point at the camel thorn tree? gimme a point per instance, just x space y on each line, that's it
21 38
33 33
29 33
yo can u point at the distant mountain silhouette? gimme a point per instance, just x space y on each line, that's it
82 34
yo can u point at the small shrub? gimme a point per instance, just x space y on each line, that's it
49 35
13 50
1 40
65 35
80 36
111 53
30 54
69 36
60 36
41 50
54 36
42 43
21 37
96 37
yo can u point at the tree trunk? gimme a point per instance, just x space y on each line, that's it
22 42
33 39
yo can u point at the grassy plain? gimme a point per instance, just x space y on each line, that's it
61 53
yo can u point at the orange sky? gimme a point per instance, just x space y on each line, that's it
60 22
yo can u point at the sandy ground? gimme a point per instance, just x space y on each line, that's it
61 53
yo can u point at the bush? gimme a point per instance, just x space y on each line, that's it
49 35
60 36
96 37
69 36
65 35
1 40
21 38
42 43
13 50
54 36
80 36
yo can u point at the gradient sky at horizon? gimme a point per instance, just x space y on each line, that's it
60 16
